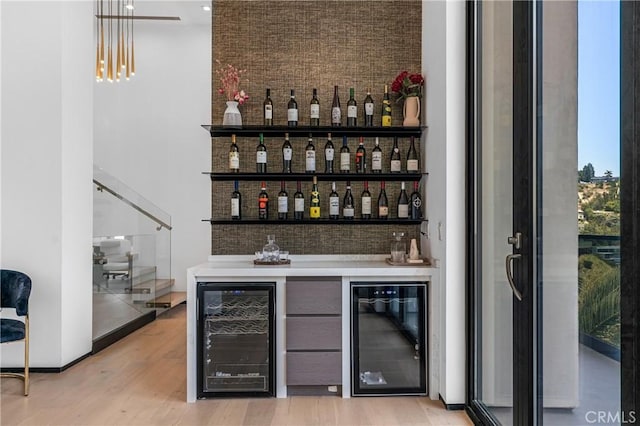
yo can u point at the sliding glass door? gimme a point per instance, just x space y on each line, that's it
504 234
545 292
495 218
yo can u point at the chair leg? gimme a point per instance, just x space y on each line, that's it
26 355
25 375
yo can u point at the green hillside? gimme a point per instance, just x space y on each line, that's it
599 298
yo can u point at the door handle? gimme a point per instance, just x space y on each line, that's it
510 257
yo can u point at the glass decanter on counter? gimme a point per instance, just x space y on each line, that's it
398 248
271 251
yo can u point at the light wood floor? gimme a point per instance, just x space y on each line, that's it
140 380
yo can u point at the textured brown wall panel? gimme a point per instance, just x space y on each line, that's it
308 239
302 45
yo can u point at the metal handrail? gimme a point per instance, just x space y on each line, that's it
160 222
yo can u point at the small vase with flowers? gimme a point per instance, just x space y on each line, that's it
409 86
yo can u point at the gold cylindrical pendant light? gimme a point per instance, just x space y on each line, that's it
109 65
121 35
123 58
118 51
101 49
98 53
132 60
99 42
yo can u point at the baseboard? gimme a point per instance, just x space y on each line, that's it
46 369
451 407
97 346
123 331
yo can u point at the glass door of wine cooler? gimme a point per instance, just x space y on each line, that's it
236 349
388 338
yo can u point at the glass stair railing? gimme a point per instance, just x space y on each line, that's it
131 255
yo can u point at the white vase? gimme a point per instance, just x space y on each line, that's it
232 117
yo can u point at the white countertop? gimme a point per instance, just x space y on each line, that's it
307 265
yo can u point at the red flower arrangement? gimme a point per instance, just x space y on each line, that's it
407 85
230 82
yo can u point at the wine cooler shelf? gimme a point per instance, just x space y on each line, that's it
408 177
315 221
251 131
239 308
238 376
244 383
218 326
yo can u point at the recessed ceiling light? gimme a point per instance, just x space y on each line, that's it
206 8
129 6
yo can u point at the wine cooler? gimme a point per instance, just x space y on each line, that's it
388 338
236 342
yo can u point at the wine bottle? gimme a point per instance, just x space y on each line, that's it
352 110
396 166
314 109
336 113
268 109
334 203
310 156
314 204
368 109
283 202
329 153
345 157
236 202
287 154
292 110
403 203
365 202
348 206
383 203
412 158
234 156
386 109
298 203
263 203
376 158
361 157
415 202
261 156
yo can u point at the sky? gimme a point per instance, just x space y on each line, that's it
599 85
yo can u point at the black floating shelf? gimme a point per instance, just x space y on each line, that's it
313 222
408 177
321 131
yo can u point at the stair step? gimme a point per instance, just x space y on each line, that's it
168 300
158 283
161 287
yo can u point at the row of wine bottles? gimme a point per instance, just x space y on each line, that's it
406 207
344 162
293 116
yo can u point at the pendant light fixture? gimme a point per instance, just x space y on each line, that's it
120 33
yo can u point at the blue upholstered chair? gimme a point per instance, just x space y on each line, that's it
14 293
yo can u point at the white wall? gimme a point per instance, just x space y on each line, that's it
46 124
443 53
147 130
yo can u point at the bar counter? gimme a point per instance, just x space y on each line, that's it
348 268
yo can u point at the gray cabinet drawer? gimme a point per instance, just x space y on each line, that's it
309 297
314 333
314 368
